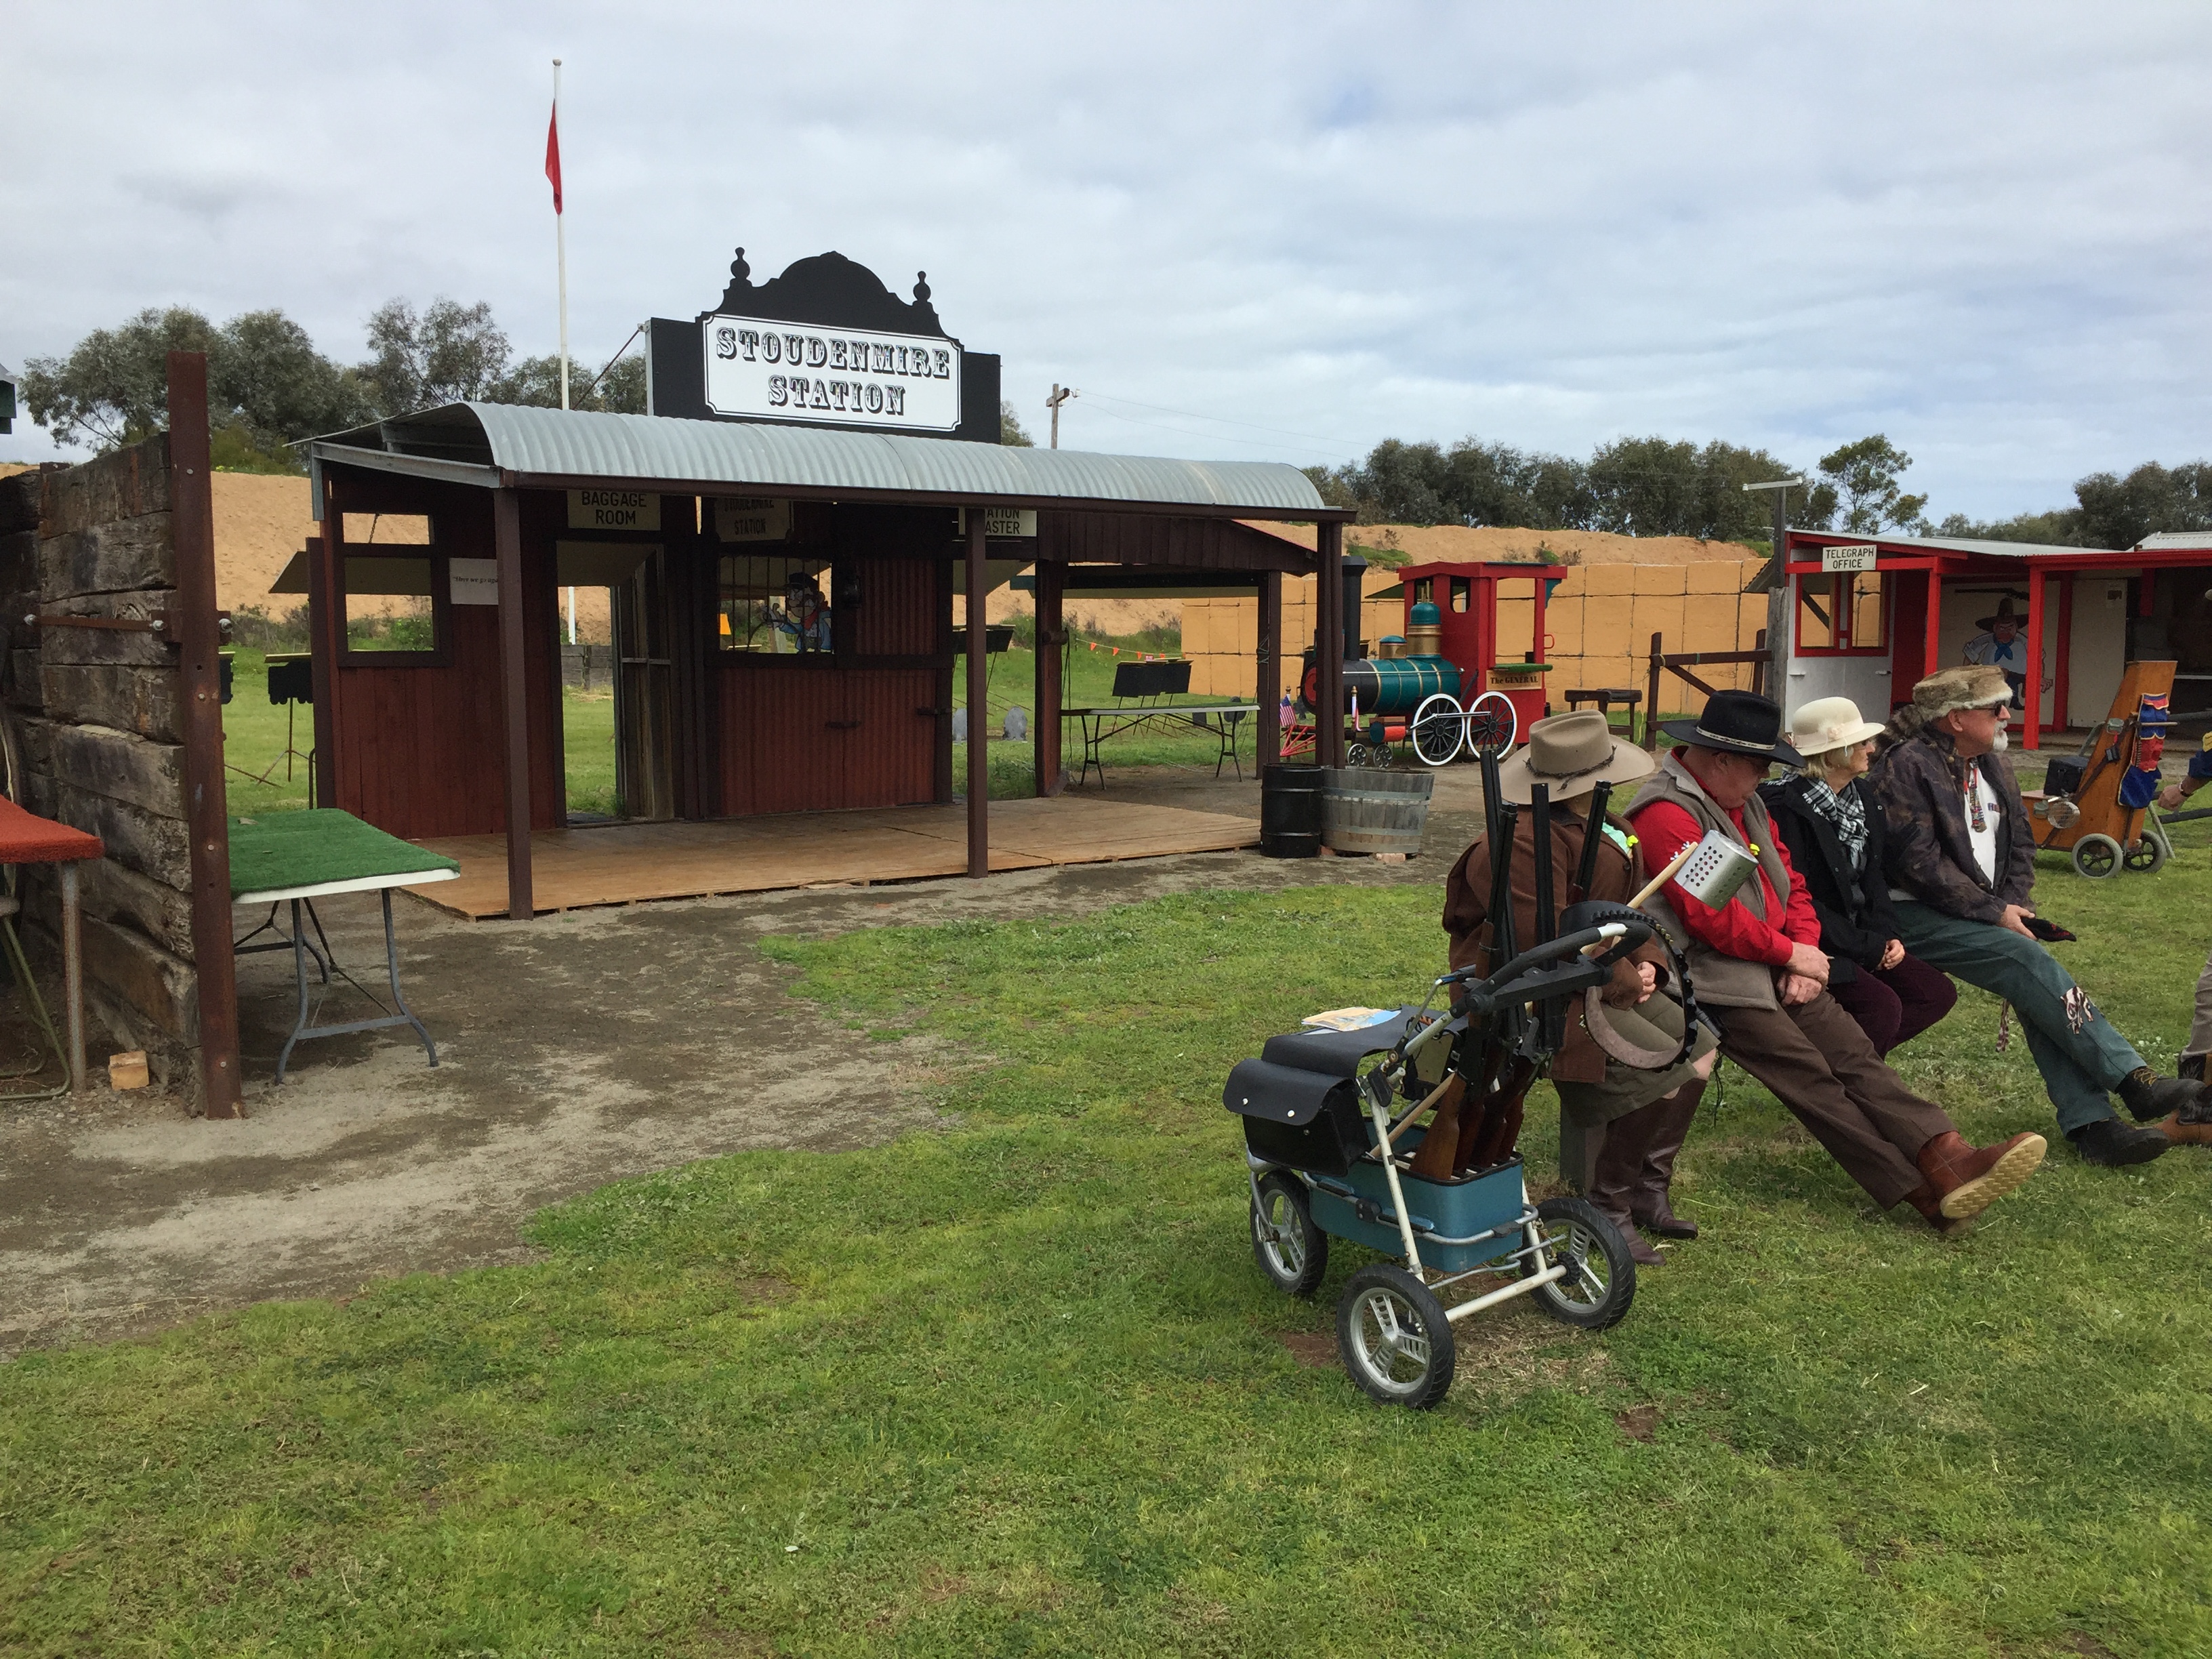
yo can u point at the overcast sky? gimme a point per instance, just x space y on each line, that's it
1980 229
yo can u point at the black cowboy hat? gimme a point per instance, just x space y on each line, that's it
1737 723
2004 613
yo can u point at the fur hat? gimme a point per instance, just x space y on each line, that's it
1975 686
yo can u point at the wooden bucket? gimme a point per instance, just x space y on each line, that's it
1366 811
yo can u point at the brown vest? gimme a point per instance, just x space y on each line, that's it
1724 981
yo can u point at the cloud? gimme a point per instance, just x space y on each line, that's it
1979 228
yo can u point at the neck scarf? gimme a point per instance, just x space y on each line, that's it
1845 813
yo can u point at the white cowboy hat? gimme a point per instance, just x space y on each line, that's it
1829 723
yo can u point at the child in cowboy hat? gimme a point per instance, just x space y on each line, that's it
1833 828
1621 1123
1757 964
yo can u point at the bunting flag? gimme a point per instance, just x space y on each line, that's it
553 155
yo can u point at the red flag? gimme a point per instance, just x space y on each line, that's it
553 155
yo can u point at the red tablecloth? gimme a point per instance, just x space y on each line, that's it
26 838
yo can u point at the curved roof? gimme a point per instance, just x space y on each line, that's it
533 445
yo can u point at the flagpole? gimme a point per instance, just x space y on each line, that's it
561 249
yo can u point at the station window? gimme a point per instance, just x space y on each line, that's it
773 603
1844 613
1462 590
392 607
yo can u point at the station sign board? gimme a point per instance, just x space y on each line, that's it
751 518
1860 557
1003 523
614 509
761 369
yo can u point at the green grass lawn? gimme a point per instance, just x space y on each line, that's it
1016 1387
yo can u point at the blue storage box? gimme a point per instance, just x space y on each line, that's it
1448 1209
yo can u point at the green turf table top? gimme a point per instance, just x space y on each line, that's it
272 851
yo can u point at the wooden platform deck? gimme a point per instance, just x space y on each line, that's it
627 864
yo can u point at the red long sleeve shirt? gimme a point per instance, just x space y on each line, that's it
1665 829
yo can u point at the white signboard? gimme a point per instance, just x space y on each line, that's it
473 582
1848 558
794 372
1000 521
751 518
613 509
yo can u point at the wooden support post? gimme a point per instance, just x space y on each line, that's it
325 637
1051 639
1268 744
192 506
515 702
1932 660
1652 697
2031 715
1328 616
979 711
2062 694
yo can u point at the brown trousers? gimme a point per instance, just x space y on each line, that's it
1819 1063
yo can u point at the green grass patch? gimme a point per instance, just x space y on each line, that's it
1016 1386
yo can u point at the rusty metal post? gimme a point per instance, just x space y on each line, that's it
1268 743
514 701
979 713
1328 618
1051 690
192 506
73 974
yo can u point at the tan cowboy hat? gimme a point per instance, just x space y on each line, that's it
1571 754
1829 723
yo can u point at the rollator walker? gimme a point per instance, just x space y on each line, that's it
1333 1150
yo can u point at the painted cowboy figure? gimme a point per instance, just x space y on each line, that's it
1631 1118
1961 865
2000 646
1757 966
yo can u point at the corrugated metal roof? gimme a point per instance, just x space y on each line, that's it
2176 541
1960 544
642 449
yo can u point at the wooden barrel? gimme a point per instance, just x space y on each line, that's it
1290 811
1366 811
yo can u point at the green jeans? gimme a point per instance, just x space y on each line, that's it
2081 1057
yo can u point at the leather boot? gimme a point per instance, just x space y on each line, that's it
1649 1202
2150 1097
1923 1198
1968 1179
1619 1166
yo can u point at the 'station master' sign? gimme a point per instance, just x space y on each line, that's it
781 371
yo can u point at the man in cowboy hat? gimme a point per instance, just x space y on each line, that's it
1625 1105
1756 963
2000 646
1960 859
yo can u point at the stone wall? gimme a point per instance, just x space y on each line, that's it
99 724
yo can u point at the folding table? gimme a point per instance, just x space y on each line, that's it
304 856
26 838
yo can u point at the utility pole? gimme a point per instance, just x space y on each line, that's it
1060 394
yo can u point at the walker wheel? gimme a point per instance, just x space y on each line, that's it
2147 856
1601 1277
1394 1337
1290 1250
2096 857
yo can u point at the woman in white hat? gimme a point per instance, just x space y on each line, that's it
1832 827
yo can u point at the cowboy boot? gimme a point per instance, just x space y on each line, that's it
1649 1202
1968 1179
1619 1166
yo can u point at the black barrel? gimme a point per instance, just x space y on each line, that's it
1290 811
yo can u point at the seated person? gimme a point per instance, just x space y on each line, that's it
1640 1117
1757 967
1961 864
1832 830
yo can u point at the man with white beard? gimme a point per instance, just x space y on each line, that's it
1960 857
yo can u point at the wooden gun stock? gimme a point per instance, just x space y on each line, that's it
1433 1158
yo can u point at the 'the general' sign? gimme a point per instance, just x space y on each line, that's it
787 372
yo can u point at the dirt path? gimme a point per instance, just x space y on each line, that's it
577 1050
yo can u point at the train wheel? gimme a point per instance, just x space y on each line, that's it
1439 727
1492 725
